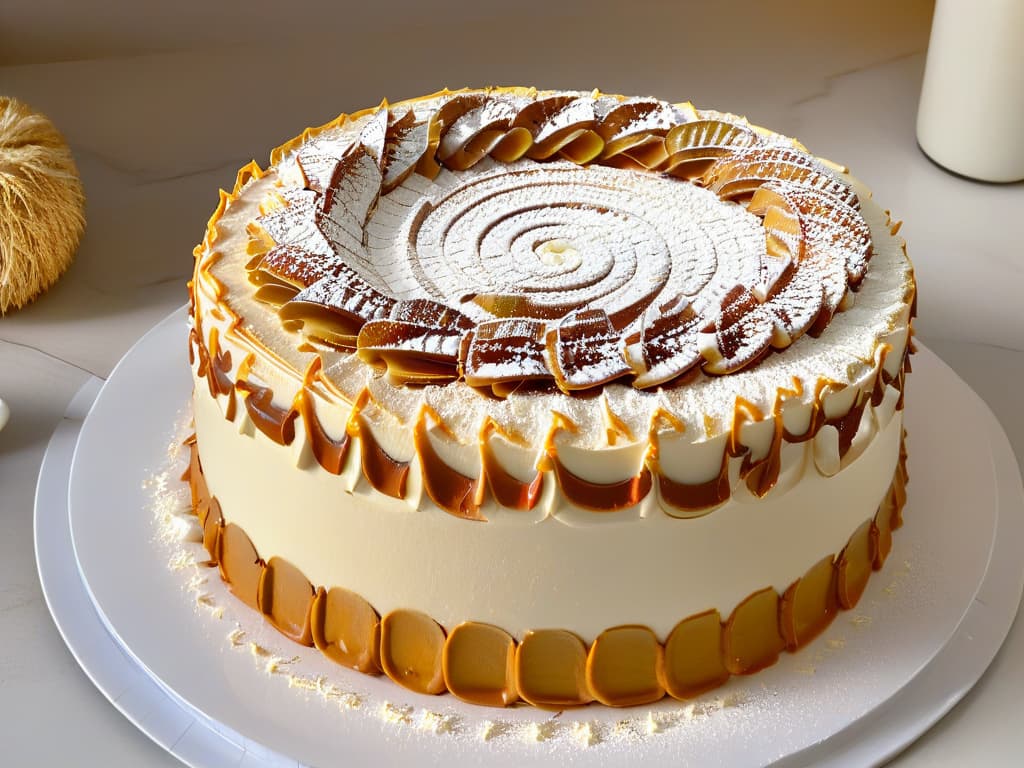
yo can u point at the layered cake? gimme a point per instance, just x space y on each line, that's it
549 397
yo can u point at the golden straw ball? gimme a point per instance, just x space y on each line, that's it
42 206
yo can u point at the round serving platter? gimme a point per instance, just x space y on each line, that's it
208 680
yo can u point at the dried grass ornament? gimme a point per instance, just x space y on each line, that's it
42 206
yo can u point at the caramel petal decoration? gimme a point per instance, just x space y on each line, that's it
275 422
419 344
329 453
835 230
213 524
382 472
855 564
666 345
204 506
240 565
649 156
333 309
889 516
406 143
295 266
294 224
629 120
832 244
411 353
692 147
538 116
740 336
456 106
517 305
507 490
512 146
578 146
317 168
452 491
739 174
475 133
586 350
697 497
373 136
428 166
506 350
602 497
346 207
571 121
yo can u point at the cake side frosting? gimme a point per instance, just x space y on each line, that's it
556 570
484 664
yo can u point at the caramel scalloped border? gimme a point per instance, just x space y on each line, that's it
547 668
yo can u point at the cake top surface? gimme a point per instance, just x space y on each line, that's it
518 257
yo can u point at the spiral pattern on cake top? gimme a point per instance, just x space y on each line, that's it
503 238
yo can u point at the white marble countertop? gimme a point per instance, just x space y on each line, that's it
161 113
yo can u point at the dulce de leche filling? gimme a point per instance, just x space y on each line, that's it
550 668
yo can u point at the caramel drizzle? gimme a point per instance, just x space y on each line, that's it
450 490
817 417
688 497
275 422
761 474
215 367
507 490
384 473
847 424
597 497
329 453
696 497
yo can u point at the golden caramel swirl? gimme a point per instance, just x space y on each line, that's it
504 238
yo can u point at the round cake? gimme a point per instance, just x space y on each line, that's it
550 397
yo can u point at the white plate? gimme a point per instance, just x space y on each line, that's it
157 713
924 632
